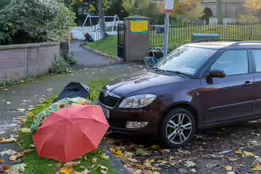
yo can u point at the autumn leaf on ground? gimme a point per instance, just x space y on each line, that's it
4 169
239 151
74 163
102 169
67 170
189 164
2 161
14 157
18 167
26 131
128 154
257 167
249 154
133 160
229 168
8 140
155 146
141 152
94 160
104 156
118 153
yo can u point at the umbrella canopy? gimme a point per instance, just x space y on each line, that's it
74 89
62 104
69 134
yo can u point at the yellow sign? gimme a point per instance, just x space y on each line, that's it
139 26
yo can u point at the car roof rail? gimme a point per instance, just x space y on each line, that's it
211 40
245 42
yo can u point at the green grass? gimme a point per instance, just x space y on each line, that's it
107 45
46 166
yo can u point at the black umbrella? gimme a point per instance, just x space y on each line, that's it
74 89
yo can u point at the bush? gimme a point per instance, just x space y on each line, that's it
71 60
60 66
31 21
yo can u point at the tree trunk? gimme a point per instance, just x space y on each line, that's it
101 19
219 12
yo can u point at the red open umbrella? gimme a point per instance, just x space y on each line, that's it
71 133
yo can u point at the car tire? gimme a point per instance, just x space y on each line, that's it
173 132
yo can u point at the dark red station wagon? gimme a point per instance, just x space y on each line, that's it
196 86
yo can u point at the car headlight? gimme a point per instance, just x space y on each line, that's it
137 101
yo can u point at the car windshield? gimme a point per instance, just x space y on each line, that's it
185 60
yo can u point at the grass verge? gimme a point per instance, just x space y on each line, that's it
107 45
45 166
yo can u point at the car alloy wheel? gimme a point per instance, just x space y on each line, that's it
178 128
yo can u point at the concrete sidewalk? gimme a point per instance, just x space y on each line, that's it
87 58
18 99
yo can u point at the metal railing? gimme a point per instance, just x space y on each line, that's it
181 33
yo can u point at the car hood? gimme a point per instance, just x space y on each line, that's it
142 80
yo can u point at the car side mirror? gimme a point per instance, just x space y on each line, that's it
217 74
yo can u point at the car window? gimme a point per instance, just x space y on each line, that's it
257 58
232 62
185 59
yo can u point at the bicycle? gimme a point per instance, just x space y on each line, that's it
154 56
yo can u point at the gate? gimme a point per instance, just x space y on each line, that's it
121 40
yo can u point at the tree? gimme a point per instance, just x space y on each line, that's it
219 11
253 8
135 6
190 9
31 21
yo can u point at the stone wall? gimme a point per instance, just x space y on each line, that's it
26 60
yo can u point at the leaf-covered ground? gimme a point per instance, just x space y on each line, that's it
95 162
231 149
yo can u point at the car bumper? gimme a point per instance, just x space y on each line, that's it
118 119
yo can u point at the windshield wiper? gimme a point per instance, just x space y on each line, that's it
176 72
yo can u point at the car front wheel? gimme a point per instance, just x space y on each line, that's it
177 128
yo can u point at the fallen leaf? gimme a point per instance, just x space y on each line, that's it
94 160
133 160
8 103
26 131
16 156
102 169
228 168
7 152
239 151
257 167
2 161
8 140
118 153
104 156
231 159
19 167
4 168
155 146
128 154
189 164
141 152
86 171
250 154
67 170
193 170
72 163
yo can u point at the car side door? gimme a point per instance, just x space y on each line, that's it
231 97
256 55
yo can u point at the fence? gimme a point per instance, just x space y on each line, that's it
181 34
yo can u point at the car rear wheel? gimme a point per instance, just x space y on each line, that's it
177 128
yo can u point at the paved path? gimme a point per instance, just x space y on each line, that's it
85 57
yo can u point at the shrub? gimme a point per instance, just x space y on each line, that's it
60 66
31 21
71 60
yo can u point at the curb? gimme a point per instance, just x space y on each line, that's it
107 56
114 161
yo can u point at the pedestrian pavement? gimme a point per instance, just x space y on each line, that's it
87 58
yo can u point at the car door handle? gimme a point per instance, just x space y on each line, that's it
248 83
